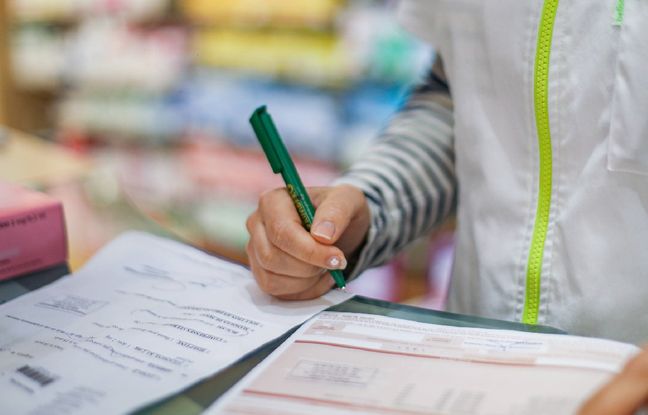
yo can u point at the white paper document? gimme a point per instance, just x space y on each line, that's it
348 363
144 318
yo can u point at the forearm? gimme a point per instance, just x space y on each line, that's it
408 174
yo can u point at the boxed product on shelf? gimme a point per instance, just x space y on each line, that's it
220 106
310 57
122 117
284 13
70 11
38 58
32 231
105 55
45 10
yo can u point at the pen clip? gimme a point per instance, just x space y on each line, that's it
265 131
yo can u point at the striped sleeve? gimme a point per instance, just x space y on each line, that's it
408 175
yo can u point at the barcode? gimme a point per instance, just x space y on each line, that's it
37 375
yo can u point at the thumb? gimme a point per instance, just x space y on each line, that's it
334 214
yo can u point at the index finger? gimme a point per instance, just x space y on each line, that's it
291 237
286 232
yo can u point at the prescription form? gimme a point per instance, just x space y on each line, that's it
351 363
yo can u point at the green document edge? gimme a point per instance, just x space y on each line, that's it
198 397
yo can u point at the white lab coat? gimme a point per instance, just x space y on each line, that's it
594 278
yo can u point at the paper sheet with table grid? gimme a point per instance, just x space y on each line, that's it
348 363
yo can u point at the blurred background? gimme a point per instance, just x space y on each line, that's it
135 114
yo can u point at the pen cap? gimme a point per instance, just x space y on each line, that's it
268 136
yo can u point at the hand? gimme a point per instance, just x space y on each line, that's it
625 394
288 261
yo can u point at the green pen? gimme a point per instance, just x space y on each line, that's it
280 161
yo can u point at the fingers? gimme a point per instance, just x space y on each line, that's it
293 239
625 394
287 260
335 209
271 258
285 232
284 258
321 287
284 286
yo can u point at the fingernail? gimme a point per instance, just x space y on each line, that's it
336 262
325 229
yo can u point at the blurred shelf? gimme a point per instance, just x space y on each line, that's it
26 159
157 93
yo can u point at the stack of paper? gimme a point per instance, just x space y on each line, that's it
145 318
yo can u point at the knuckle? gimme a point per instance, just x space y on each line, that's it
335 210
249 223
318 194
279 234
263 281
349 191
352 196
311 255
264 287
273 286
267 199
265 257
316 272
263 202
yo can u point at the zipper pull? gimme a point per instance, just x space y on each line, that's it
619 11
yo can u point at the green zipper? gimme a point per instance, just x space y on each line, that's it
541 104
619 12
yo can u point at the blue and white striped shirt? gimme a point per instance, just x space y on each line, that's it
408 174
